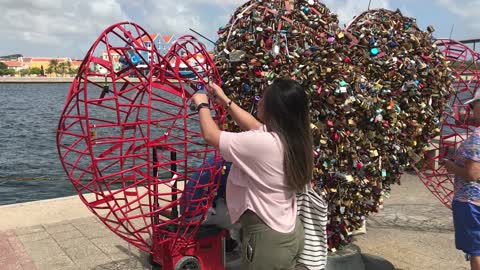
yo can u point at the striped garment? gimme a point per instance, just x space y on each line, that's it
312 211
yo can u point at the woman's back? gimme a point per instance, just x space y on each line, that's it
257 178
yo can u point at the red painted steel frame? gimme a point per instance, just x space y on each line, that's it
130 145
456 126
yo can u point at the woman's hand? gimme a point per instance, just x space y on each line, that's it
218 93
448 164
199 98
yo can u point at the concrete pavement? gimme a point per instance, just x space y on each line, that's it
413 231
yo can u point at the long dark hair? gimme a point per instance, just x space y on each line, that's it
286 112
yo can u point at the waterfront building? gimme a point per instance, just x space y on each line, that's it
162 43
18 62
43 61
24 63
165 43
15 65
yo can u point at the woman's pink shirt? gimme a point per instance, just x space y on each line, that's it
257 179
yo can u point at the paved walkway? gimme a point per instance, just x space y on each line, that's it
413 231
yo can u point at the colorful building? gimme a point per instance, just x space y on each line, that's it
113 57
76 63
43 61
15 65
162 43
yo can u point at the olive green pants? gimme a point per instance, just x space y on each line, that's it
267 249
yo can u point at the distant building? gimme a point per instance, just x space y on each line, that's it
162 43
12 57
15 65
76 63
21 62
165 43
113 57
44 61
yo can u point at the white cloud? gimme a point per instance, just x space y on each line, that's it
233 3
348 9
71 26
61 23
206 16
105 8
177 18
466 12
464 8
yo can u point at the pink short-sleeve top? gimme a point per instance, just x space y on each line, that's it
257 180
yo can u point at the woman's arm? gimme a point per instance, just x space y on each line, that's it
210 130
471 171
243 119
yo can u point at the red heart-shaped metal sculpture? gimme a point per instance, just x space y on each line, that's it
130 144
456 125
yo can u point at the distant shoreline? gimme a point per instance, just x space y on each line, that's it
36 79
95 79
50 79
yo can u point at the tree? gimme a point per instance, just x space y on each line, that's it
8 72
73 71
62 67
68 65
42 72
25 71
35 71
53 67
4 70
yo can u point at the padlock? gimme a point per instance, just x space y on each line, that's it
363 84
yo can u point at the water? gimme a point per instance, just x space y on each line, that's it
30 168
29 165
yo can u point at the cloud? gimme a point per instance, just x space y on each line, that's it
68 28
464 8
231 3
206 16
175 17
466 11
348 9
64 24
65 27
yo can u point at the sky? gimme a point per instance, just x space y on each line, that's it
67 28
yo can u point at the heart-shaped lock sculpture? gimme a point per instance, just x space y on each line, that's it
131 146
377 91
457 123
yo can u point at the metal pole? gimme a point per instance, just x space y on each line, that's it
156 205
451 31
214 43
369 2
173 167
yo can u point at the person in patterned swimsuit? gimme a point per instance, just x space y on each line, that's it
466 200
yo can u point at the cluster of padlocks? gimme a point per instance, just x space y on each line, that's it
377 91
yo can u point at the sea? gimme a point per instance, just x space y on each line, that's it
29 165
30 168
